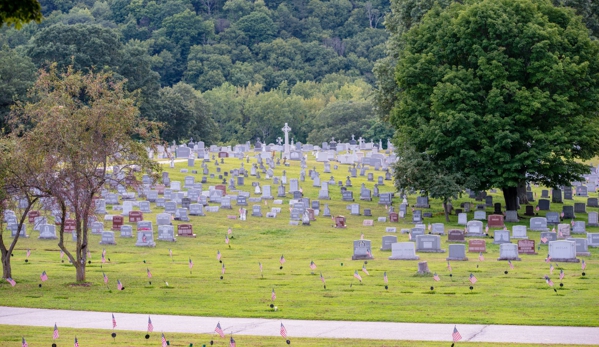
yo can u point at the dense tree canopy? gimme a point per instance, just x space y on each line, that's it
501 91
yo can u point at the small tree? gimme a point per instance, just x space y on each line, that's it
415 171
89 134
17 180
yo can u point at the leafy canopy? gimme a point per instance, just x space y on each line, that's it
501 91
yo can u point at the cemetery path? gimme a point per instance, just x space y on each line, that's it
301 328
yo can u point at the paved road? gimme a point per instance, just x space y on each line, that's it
301 328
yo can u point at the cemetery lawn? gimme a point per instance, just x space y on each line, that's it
520 297
35 336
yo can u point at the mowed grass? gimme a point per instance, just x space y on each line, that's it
519 297
35 336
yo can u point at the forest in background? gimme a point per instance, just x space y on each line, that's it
221 71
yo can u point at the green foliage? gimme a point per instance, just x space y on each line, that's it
17 74
501 91
19 12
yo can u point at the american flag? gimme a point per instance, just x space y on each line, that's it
364 270
456 335
103 251
105 278
553 230
562 215
11 281
357 275
282 260
229 231
55 334
227 239
448 266
119 285
232 343
511 265
144 239
548 259
544 239
170 252
218 255
472 279
150 325
24 343
572 222
537 208
385 279
560 233
219 330
76 343
113 322
103 258
551 269
368 253
190 264
409 236
436 277
28 252
260 264
480 256
149 273
549 281
321 278
430 227
223 269
487 229
61 254
44 276
164 344
273 296
583 265
561 275
312 265
362 236
283 331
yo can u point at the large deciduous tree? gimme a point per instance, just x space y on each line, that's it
88 134
502 92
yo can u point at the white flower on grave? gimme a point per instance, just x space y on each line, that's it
276 308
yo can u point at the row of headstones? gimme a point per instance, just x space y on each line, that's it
559 251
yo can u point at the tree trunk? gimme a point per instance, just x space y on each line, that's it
522 193
80 268
446 212
6 268
510 195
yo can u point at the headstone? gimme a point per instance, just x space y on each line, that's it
163 219
455 235
477 246
362 250
579 228
556 196
421 202
97 228
417 216
126 231
495 221
117 222
593 202
462 219
135 216
256 211
501 236
548 236
145 238
508 251
511 216
593 239
185 230
403 251
166 233
567 193
526 247
108 238
544 205
582 247
457 252
552 218
519 232
474 228
579 207
340 222
429 244
47 232
563 251
563 231
480 215
569 212
582 191
593 219
438 229
387 242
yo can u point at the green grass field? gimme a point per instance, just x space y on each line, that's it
519 297
12 336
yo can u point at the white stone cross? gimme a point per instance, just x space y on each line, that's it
286 129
